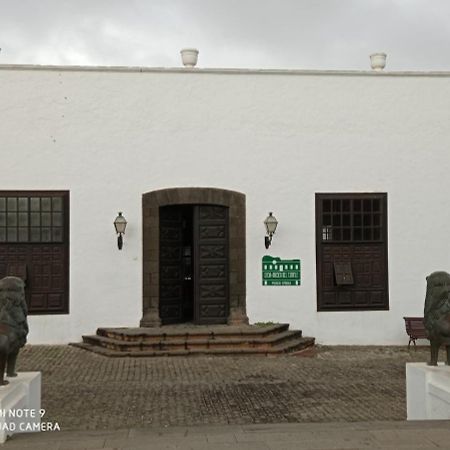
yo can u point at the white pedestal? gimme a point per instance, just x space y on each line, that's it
427 391
20 404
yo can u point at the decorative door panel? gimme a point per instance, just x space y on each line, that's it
211 284
351 250
170 262
34 245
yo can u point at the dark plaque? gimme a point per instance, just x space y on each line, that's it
343 273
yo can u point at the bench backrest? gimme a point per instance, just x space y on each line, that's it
415 327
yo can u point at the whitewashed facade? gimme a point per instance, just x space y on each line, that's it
109 135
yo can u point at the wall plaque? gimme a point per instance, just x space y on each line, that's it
280 272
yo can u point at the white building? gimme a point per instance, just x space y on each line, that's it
96 139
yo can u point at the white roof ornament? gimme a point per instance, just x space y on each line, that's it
378 61
189 57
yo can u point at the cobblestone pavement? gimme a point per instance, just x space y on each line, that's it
85 391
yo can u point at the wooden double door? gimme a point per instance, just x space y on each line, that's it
193 264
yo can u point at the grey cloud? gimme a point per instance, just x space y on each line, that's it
322 34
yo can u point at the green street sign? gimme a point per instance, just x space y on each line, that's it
280 272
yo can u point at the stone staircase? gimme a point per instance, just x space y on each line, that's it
188 339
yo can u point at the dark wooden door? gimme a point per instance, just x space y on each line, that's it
351 251
34 245
211 283
194 264
170 264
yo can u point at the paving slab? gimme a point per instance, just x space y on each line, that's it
82 443
320 436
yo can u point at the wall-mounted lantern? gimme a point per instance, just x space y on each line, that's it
120 224
271 225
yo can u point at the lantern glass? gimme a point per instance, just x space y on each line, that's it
120 223
271 224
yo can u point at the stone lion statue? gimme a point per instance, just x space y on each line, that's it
437 314
13 324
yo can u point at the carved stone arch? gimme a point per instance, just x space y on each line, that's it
235 202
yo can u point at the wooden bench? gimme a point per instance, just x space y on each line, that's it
415 329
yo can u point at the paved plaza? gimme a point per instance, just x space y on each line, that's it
339 398
85 391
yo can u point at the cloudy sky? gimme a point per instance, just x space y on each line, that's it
295 34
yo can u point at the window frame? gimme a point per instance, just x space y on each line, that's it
322 305
65 243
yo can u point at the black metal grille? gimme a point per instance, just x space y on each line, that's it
352 219
31 219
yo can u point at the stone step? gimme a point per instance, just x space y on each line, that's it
294 345
177 332
190 342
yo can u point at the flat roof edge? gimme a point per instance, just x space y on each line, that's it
137 69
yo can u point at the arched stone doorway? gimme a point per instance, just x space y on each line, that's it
179 203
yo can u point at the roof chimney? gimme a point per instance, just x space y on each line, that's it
378 61
189 57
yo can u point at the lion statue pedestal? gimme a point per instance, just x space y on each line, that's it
427 391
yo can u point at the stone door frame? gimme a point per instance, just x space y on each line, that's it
151 202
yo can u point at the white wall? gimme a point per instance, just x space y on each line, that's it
109 136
